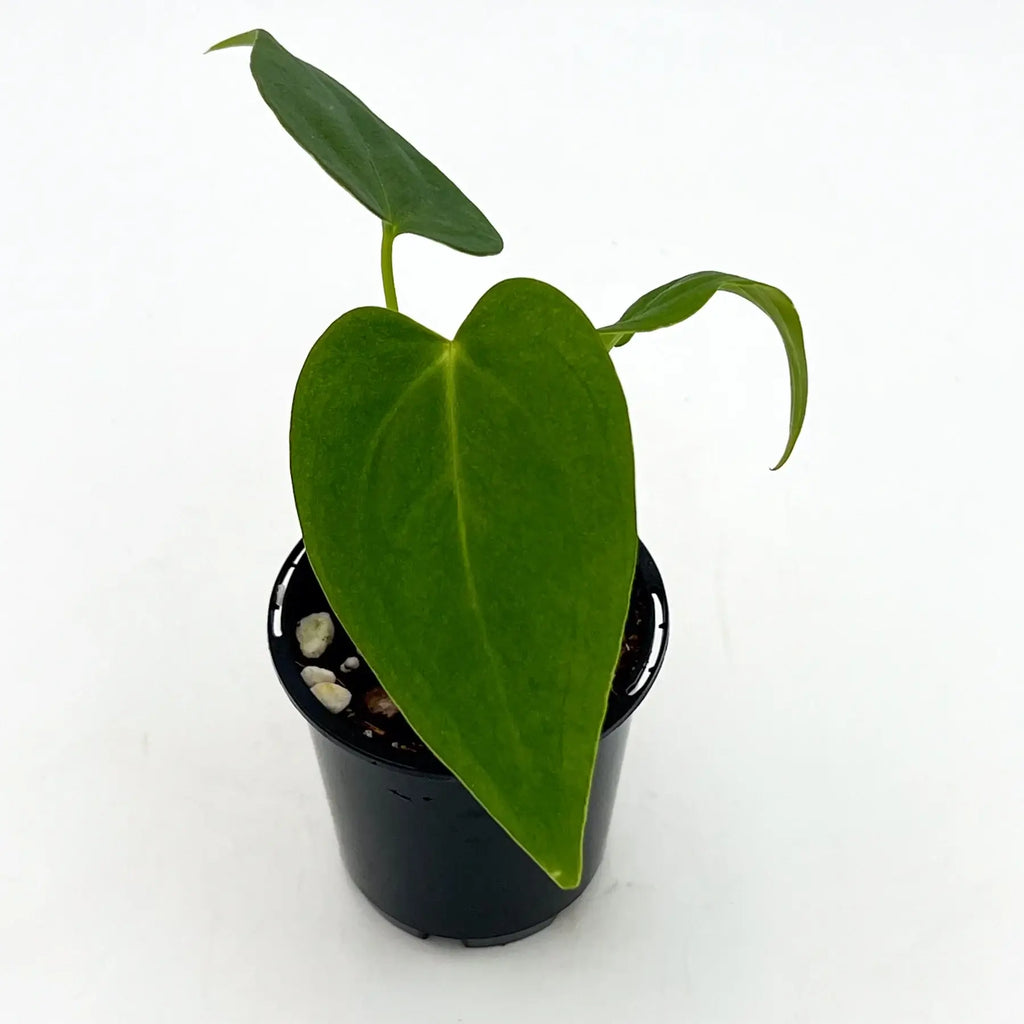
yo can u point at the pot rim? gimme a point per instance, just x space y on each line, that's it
318 717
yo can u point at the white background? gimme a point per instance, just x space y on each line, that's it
820 818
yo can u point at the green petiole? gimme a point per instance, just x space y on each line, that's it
387 270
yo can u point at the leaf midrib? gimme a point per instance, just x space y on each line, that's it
450 357
451 408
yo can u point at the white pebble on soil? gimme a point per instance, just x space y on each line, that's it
313 674
350 664
314 633
333 697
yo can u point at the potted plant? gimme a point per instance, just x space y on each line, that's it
470 618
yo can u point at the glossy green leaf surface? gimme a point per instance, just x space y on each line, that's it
468 507
361 153
676 301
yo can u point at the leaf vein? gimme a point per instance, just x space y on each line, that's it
373 445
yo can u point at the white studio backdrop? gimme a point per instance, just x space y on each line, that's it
820 815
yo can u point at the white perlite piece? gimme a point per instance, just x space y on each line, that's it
314 633
350 664
333 697
313 674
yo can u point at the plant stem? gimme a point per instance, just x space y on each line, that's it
611 338
387 270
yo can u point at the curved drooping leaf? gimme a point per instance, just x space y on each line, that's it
676 301
468 507
361 153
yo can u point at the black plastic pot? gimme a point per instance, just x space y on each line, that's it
414 840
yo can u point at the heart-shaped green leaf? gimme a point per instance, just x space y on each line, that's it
676 301
468 507
361 153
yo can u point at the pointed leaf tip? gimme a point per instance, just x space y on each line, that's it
242 39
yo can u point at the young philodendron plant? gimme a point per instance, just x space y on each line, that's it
468 503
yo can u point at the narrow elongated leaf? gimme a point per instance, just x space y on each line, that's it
361 153
468 508
676 301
